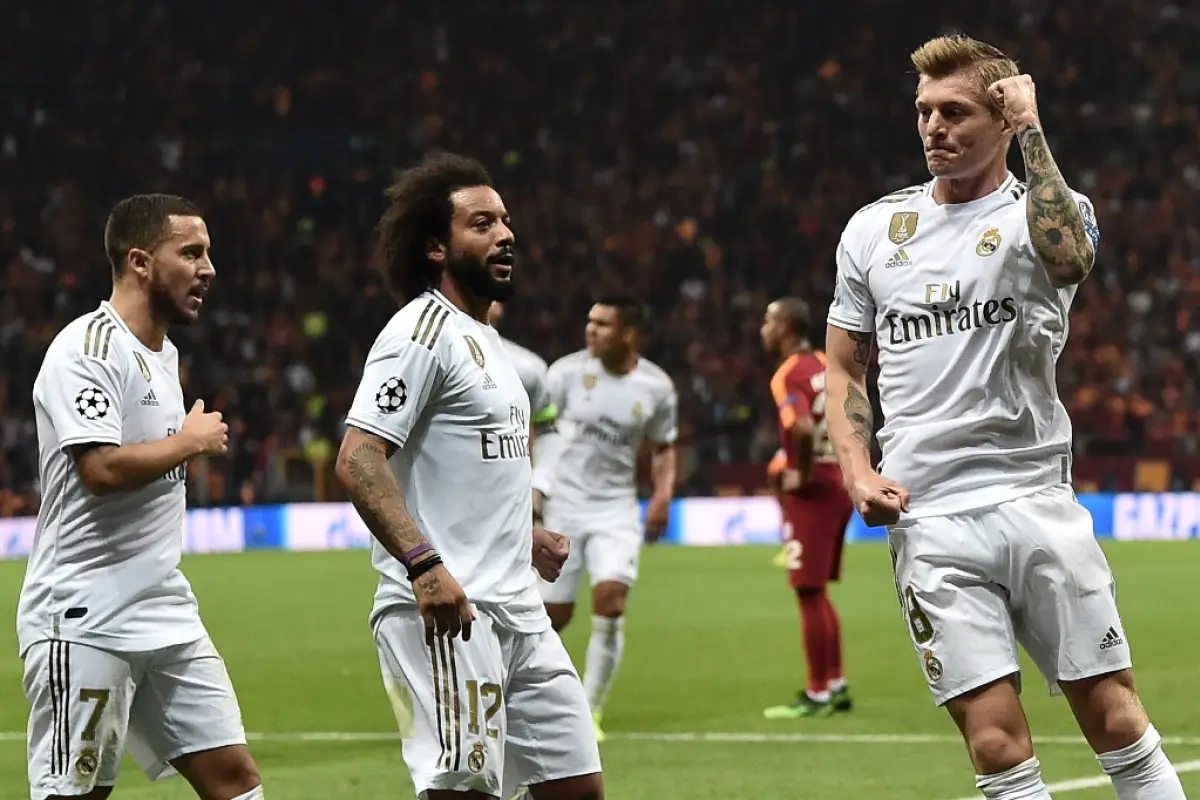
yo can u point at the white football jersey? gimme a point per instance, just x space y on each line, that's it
969 329
440 386
603 420
532 370
104 570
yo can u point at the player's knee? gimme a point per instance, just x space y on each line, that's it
608 599
225 773
1108 710
996 748
99 793
560 614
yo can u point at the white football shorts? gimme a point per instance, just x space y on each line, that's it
503 710
1029 570
87 706
606 547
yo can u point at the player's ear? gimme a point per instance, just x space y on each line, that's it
436 251
138 261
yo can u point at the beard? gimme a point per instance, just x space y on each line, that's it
474 276
165 307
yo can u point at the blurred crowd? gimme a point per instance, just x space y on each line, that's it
705 155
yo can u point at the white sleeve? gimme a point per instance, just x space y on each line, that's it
398 381
663 427
852 308
83 397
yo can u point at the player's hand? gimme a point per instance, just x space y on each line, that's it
550 551
443 605
658 514
1017 99
206 430
879 500
791 481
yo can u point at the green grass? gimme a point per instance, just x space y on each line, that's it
712 639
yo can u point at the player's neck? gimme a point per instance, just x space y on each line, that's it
621 364
948 191
793 348
134 310
468 303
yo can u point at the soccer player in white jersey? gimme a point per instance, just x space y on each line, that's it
116 657
533 372
965 284
611 401
436 460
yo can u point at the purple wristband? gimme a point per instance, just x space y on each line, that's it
418 551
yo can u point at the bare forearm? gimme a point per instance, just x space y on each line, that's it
1056 225
804 454
662 473
375 494
111 468
851 419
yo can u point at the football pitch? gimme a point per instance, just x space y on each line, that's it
711 640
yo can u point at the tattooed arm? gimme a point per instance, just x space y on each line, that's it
362 468
851 420
1056 225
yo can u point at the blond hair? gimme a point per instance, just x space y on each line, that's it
958 53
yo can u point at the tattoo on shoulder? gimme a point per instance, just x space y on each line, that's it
862 347
861 417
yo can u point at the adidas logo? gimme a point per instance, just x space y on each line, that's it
1111 639
900 259
488 383
150 399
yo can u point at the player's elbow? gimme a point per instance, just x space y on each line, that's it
95 471
1071 273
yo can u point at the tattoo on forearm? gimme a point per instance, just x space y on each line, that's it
861 417
1055 224
862 347
378 499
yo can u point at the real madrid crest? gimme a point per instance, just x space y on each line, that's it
476 350
87 762
637 411
476 758
933 667
903 226
589 381
988 243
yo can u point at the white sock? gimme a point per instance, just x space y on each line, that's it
254 794
1142 771
604 651
1022 782
837 684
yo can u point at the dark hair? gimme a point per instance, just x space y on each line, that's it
141 222
420 209
796 315
631 311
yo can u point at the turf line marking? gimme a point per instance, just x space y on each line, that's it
689 737
1080 784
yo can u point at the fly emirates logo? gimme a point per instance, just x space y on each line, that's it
948 315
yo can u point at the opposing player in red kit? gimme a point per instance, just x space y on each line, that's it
816 507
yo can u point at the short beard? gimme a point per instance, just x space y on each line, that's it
164 307
474 277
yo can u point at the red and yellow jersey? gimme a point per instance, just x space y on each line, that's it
798 389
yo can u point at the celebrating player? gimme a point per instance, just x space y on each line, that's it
533 371
965 283
116 656
610 401
436 460
816 508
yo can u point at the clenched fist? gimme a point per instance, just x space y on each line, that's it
1017 99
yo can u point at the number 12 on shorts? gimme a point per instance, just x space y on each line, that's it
486 692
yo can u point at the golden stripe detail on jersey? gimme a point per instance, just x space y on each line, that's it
421 320
445 315
456 742
95 321
143 366
108 334
437 697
